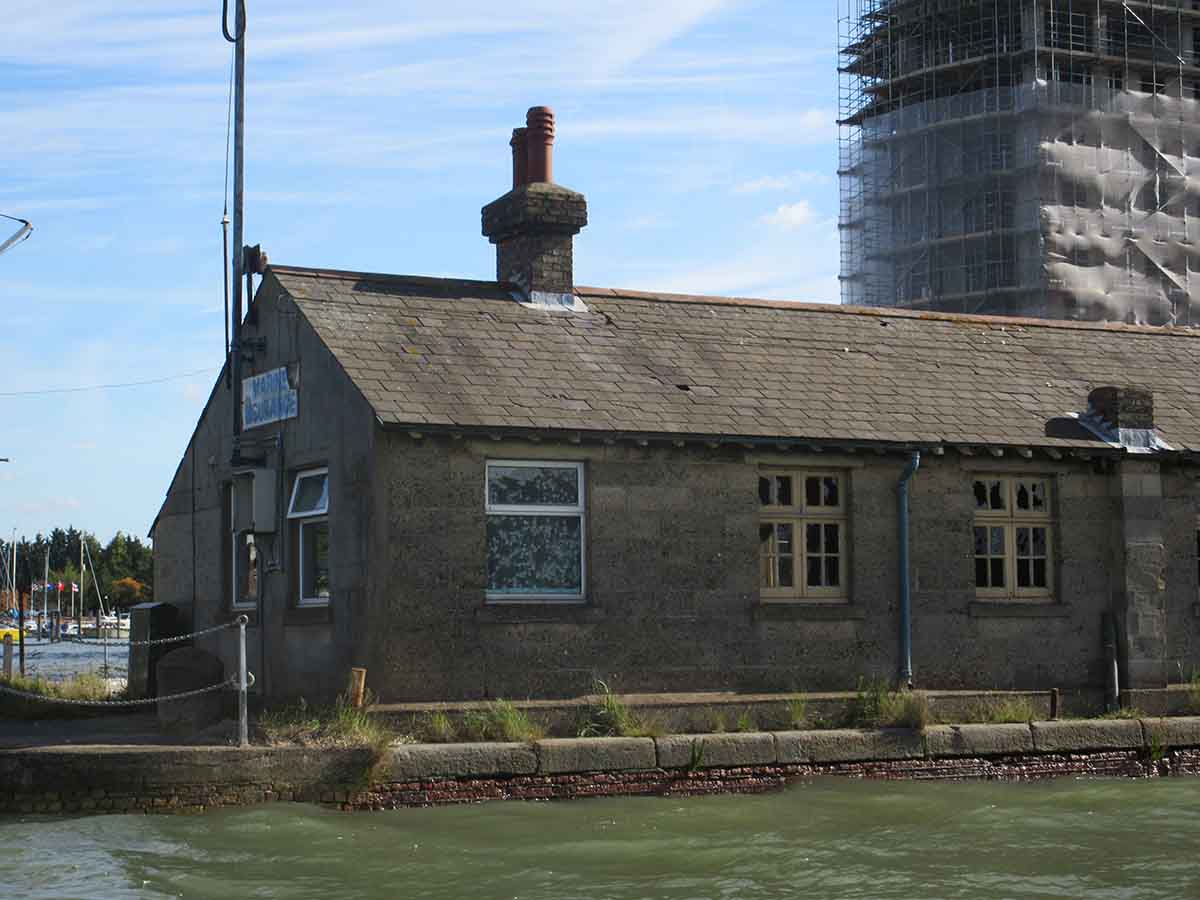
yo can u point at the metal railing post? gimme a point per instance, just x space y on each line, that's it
243 726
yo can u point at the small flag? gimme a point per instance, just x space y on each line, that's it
60 586
74 587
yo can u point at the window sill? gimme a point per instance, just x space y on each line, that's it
1017 609
571 612
308 615
774 610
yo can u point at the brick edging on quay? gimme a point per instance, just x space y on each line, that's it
100 779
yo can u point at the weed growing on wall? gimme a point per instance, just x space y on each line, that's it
609 717
746 722
797 710
1002 711
436 728
340 724
500 720
876 705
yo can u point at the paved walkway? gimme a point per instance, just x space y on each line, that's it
139 729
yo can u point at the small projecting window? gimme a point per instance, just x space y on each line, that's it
307 513
535 531
802 535
1013 538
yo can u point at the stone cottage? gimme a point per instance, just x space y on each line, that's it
511 488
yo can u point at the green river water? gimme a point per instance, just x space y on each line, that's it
831 838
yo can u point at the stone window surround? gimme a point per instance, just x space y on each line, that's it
1010 519
298 521
800 515
549 599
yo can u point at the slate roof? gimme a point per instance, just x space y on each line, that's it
430 353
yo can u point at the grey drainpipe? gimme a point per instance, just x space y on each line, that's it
906 669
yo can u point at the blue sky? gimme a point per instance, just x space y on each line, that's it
701 131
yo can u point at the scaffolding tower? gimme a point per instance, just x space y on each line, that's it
1021 157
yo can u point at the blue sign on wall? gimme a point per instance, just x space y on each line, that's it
268 398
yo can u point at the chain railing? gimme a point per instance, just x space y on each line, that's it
242 680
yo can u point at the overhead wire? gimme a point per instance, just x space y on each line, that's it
105 387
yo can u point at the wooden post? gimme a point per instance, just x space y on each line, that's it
358 687
8 656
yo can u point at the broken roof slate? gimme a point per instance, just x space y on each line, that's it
453 352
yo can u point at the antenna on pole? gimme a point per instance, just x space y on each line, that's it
238 39
22 233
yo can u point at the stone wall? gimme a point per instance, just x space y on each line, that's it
672 564
182 779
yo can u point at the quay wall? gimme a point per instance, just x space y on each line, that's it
86 780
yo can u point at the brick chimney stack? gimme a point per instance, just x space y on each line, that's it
534 224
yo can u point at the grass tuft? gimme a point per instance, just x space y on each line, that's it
338 725
609 717
876 705
84 686
1125 712
1001 711
436 728
746 722
500 721
797 711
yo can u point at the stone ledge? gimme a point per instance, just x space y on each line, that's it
849 745
1017 609
559 756
820 612
415 761
1183 731
1082 734
716 750
978 740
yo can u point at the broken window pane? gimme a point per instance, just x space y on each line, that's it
831 491
251 589
996 495
981 541
981 495
1022 495
766 531
533 485
1022 542
1037 491
534 554
783 490
764 490
812 491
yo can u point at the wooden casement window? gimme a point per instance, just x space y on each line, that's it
308 525
535 531
1013 537
240 551
802 535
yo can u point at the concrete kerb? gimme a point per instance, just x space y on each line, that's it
1073 736
413 762
978 740
849 745
563 756
708 751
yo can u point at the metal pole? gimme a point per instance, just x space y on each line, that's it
906 670
239 122
243 727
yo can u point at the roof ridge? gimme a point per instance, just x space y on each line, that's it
883 312
347 274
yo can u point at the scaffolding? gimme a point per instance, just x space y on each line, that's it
1021 157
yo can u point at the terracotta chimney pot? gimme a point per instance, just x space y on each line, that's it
539 124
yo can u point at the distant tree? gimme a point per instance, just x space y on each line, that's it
125 592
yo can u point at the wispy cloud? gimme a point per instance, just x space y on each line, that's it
774 183
791 216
